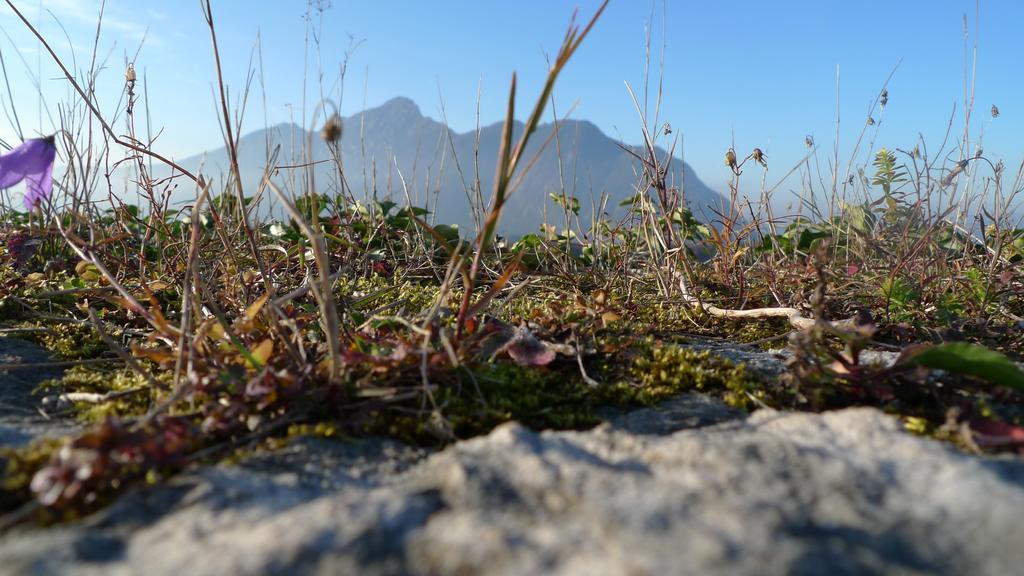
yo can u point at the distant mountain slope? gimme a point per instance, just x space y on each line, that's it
395 141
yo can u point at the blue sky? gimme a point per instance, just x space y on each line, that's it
762 73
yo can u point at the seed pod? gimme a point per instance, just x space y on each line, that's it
129 73
809 141
759 157
884 99
331 131
730 158
871 121
995 111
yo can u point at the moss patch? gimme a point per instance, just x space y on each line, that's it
133 396
67 341
558 398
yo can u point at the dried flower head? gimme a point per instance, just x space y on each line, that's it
331 131
32 162
759 157
730 158
995 111
871 121
884 98
809 141
129 73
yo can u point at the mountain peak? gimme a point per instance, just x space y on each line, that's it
400 105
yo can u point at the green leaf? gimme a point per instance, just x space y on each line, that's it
414 210
898 293
972 360
449 232
528 241
861 218
570 203
631 200
808 236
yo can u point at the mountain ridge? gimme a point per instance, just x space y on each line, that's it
406 155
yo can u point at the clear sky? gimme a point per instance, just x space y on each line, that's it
762 73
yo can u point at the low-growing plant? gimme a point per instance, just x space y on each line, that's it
252 315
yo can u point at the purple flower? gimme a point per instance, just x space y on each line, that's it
33 163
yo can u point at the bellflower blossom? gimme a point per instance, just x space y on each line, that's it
32 162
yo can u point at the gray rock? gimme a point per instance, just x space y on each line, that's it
689 410
777 493
767 365
20 420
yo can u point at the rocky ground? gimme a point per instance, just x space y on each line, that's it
20 418
691 487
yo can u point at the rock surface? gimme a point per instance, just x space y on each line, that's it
843 493
690 488
20 419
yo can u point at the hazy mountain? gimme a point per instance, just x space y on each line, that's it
395 140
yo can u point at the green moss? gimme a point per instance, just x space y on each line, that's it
671 369
918 426
652 314
106 381
761 329
68 341
316 429
541 398
556 397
